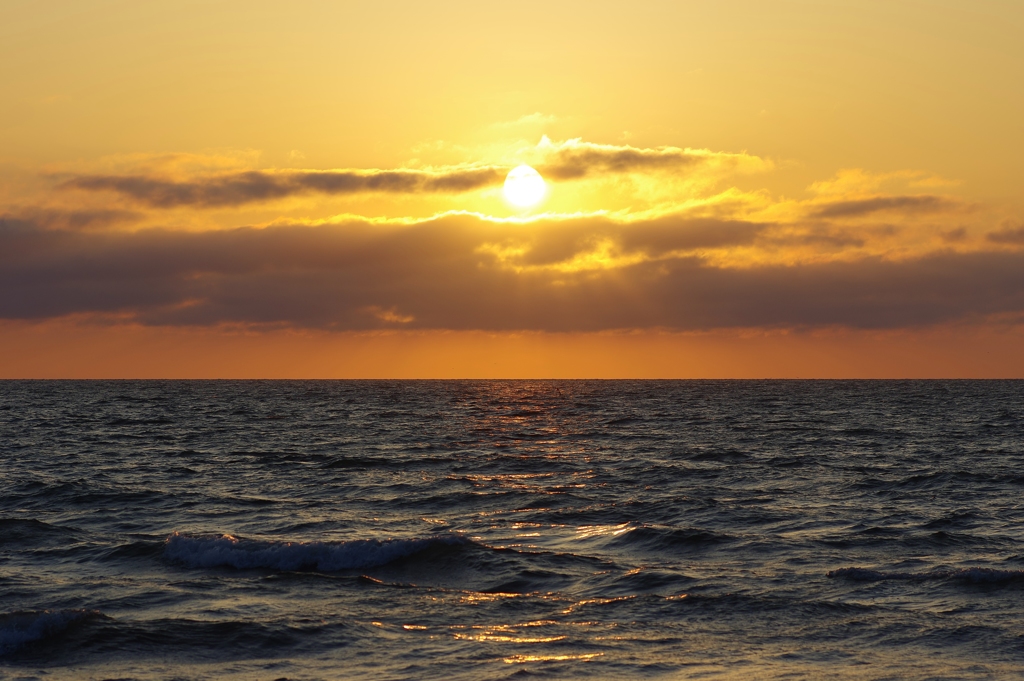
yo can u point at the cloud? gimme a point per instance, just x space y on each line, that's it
903 204
157 187
240 188
1008 235
575 159
53 218
953 236
533 120
857 181
391 315
461 271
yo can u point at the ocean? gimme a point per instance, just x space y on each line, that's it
511 529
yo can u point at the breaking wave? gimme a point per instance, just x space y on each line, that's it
20 628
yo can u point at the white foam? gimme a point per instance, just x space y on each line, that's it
225 550
19 628
974 575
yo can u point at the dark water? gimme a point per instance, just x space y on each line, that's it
485 530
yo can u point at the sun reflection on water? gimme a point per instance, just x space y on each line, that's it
521 659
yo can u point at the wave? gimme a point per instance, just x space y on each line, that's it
663 538
29 531
973 575
728 455
227 551
126 421
20 628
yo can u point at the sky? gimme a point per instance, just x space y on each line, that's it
734 189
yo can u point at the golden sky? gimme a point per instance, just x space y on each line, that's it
312 189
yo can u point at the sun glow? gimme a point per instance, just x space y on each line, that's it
524 187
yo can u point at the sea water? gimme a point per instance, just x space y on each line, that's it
507 529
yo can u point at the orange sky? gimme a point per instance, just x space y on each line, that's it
734 189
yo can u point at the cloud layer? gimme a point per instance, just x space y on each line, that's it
862 251
460 271
249 187
575 159
569 160
877 204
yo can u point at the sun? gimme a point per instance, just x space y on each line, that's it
524 187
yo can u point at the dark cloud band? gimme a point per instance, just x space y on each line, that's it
577 161
449 273
1008 236
568 161
250 187
902 204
